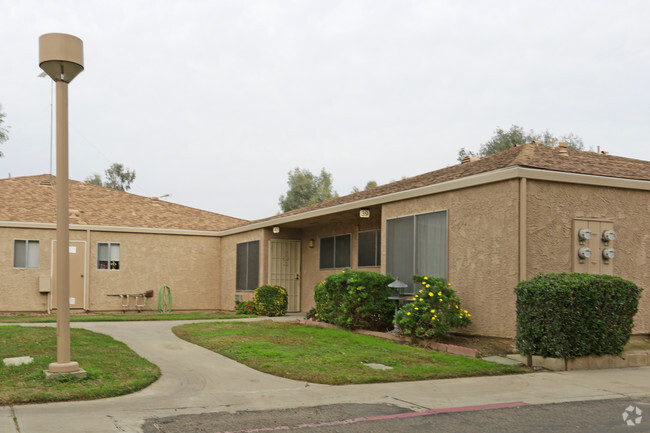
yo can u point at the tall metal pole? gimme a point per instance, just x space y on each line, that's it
61 57
63 363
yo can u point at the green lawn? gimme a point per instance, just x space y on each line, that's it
113 369
47 318
330 356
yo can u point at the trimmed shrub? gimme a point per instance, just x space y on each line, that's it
355 299
246 307
436 308
572 315
271 301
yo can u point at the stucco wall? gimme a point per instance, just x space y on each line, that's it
226 301
188 264
19 287
552 207
311 272
483 249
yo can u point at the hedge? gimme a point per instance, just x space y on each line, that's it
355 299
572 315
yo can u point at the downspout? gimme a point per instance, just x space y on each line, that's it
87 272
522 241
522 229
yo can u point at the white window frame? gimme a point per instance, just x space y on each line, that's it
108 266
27 261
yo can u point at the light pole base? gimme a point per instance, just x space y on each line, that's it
65 369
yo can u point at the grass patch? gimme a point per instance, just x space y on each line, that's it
330 356
113 368
49 318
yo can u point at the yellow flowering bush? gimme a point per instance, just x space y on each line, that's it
436 308
271 300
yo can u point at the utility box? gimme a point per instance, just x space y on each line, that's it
593 248
44 284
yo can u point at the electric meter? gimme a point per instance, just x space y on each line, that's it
608 253
609 235
584 234
584 253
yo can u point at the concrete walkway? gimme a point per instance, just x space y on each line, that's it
196 380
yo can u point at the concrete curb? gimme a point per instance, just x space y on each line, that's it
637 358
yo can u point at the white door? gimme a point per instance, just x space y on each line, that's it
284 269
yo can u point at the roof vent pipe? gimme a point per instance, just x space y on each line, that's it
564 147
468 159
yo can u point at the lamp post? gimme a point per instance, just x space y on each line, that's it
61 57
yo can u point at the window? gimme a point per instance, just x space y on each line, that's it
248 266
369 248
417 245
108 255
335 252
26 253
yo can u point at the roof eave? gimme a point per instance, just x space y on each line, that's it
499 175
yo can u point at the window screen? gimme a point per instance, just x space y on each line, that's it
248 269
335 252
369 248
417 245
26 253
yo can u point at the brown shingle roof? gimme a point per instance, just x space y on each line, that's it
26 199
527 155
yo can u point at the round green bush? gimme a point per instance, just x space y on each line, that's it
571 315
271 300
355 300
436 308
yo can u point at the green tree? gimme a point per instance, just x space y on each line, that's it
117 177
369 185
4 130
503 140
306 189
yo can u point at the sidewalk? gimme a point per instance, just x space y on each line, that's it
196 380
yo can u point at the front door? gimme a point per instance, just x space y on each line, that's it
284 269
77 270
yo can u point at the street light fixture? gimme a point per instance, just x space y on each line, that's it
61 57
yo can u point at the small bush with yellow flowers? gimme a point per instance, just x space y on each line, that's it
435 309
271 300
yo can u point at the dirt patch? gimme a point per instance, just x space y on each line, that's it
486 346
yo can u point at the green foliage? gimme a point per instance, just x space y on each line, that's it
355 299
571 315
4 130
436 308
306 189
333 356
117 177
113 368
503 140
271 301
246 307
371 184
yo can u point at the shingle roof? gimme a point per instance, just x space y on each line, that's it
27 199
527 155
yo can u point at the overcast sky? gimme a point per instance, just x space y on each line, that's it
214 102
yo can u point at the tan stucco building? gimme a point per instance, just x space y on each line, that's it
484 225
